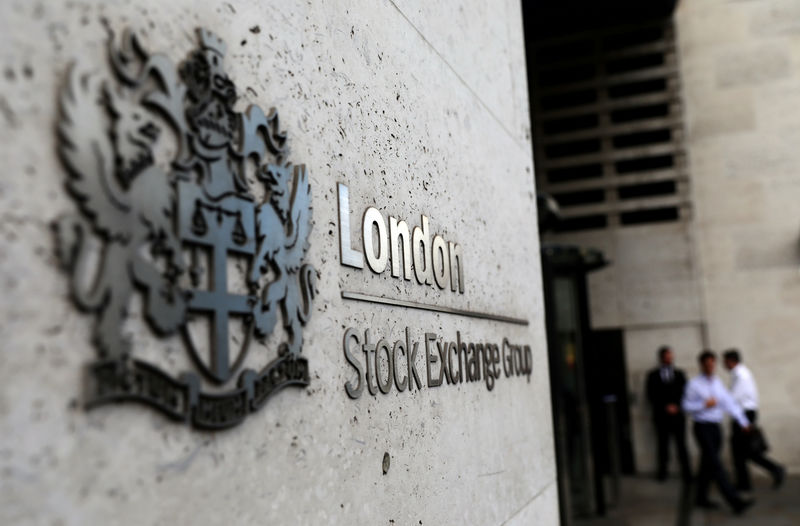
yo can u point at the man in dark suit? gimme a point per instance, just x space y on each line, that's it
665 386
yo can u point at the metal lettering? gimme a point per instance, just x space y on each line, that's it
528 361
348 255
458 361
456 267
474 365
444 371
452 349
517 359
463 355
431 358
398 231
493 354
376 262
488 370
353 392
422 260
480 359
508 364
369 348
387 386
412 362
441 262
434 261
399 346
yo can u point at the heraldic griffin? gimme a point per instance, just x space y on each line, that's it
157 160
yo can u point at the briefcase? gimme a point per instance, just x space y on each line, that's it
757 442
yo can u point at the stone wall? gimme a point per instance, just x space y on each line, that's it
419 108
728 276
739 63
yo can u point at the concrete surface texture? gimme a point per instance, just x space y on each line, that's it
419 108
645 502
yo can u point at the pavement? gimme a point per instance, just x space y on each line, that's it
645 502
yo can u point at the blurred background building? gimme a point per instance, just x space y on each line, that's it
668 134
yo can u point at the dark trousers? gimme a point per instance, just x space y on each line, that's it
672 427
709 439
741 454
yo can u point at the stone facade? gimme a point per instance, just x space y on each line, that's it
419 108
743 162
728 276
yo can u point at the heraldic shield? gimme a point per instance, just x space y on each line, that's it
153 217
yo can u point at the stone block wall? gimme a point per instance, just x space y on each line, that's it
740 64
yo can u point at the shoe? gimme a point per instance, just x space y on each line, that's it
745 495
741 506
780 476
706 504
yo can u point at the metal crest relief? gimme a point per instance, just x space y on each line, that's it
156 220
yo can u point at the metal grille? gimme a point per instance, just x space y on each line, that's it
608 127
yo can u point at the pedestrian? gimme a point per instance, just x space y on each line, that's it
665 385
706 400
745 392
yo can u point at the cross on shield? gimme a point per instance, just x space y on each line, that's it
223 226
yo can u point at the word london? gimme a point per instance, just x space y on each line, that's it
435 260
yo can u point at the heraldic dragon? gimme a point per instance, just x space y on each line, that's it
132 142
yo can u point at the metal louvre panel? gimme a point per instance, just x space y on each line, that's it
608 127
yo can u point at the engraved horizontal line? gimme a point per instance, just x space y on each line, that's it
357 296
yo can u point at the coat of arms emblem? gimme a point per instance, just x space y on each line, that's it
156 215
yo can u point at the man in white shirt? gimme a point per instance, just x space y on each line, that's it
745 392
706 400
